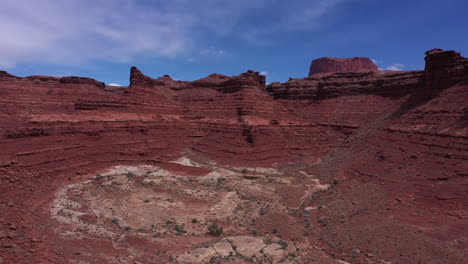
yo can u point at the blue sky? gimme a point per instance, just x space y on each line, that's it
190 39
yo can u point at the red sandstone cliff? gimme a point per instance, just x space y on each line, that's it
333 65
445 68
393 144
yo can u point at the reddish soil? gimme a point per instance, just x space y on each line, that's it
348 167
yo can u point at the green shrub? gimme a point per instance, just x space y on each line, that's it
283 244
129 174
180 229
215 230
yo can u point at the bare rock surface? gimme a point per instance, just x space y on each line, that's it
248 246
275 252
224 249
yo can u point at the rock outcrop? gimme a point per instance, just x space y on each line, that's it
445 68
334 65
387 84
394 158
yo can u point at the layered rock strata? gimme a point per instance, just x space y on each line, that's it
334 65
394 146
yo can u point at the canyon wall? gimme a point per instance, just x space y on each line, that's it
394 144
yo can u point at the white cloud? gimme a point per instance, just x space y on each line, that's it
212 52
306 14
395 67
291 16
374 61
5 64
75 32
114 84
264 73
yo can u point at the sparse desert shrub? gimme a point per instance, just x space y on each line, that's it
215 230
99 177
283 244
180 229
130 174
115 221
220 180
323 221
194 220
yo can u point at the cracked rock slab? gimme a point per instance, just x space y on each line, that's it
275 252
224 249
248 246
199 255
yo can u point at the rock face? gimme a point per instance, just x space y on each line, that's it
445 68
386 84
391 146
333 65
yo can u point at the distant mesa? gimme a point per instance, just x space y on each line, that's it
332 65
